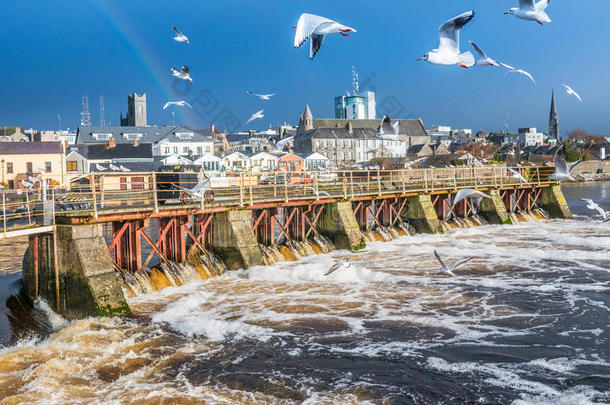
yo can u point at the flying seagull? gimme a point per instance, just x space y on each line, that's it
475 196
339 264
183 73
180 37
114 168
449 270
529 10
26 184
388 126
592 205
571 92
256 115
100 168
562 168
448 52
261 96
124 169
519 71
518 175
317 27
483 59
180 103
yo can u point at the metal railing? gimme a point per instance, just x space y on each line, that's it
103 193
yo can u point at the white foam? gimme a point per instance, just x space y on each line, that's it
56 321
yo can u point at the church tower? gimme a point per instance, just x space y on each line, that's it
136 111
308 119
553 120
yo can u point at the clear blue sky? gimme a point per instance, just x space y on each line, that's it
54 52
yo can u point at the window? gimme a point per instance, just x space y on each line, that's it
9 167
48 167
184 135
137 183
102 137
282 164
175 150
132 137
185 150
207 149
11 184
123 181
72 166
199 150
166 151
28 167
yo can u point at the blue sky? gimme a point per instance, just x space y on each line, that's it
57 51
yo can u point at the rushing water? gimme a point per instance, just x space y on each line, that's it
526 321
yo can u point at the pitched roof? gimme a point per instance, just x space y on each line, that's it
409 127
119 151
85 135
29 148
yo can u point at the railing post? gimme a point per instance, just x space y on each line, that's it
538 174
378 183
402 177
455 179
315 182
102 177
250 187
93 194
351 182
4 209
155 197
27 202
241 189
426 180
53 201
344 184
275 184
56 266
285 186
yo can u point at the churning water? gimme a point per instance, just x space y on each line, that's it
526 321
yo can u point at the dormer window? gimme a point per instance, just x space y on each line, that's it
132 136
184 135
102 136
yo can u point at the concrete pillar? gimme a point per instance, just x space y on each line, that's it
234 241
422 215
339 224
88 283
494 210
552 200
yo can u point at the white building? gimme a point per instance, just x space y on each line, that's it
210 163
530 137
236 161
264 161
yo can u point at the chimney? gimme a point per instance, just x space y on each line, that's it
111 143
136 143
350 129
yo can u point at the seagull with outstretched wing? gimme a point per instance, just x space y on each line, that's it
255 116
562 168
592 205
183 74
180 37
571 92
339 264
451 268
261 96
180 103
314 27
448 52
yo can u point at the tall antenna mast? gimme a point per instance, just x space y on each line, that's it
85 117
355 81
506 118
59 120
102 119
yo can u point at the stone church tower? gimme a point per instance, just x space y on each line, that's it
136 111
553 120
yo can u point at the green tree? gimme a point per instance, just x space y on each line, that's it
572 154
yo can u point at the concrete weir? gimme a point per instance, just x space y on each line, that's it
75 271
85 284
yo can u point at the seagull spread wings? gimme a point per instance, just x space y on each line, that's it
258 114
177 31
572 92
527 4
439 259
592 205
559 160
542 4
306 26
449 32
460 262
479 51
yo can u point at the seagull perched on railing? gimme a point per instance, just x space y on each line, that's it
449 269
124 169
475 196
592 205
180 37
100 168
261 96
183 73
317 27
518 175
339 264
180 103
114 168
562 168
448 52
529 10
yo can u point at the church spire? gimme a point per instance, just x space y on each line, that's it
553 119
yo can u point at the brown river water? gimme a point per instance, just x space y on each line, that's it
525 322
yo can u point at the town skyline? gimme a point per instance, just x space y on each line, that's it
140 38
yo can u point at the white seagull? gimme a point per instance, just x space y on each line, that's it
114 168
26 184
124 169
571 91
562 168
100 168
183 73
180 37
339 264
387 125
448 52
529 10
256 115
475 196
180 103
261 96
317 27
518 175
592 205
519 71
449 269
483 59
